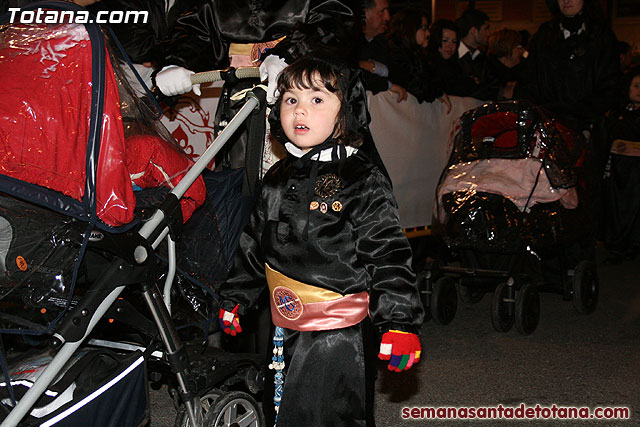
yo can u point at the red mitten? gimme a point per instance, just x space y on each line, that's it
401 349
229 321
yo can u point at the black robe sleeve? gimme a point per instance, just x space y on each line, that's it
196 42
246 280
201 38
384 250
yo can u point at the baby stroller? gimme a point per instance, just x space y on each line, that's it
511 210
81 250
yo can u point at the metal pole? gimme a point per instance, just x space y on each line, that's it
195 171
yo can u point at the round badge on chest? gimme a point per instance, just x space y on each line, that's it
327 185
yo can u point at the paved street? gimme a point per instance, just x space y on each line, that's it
570 360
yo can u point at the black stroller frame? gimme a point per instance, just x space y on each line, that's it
136 265
514 270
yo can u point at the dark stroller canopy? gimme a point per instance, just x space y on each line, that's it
519 130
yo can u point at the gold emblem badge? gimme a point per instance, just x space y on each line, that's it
328 185
313 205
323 207
336 206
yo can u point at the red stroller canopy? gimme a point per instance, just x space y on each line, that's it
47 74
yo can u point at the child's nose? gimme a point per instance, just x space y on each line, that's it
299 109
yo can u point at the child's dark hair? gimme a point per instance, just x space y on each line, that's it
308 73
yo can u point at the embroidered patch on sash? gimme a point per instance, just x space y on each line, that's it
314 205
287 303
327 185
336 206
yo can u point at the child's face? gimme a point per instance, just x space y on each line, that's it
309 116
634 91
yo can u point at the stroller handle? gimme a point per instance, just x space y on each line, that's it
217 75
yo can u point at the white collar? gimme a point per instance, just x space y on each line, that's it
463 49
566 33
324 155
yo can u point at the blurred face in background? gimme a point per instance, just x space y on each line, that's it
422 35
449 43
570 8
516 55
376 19
634 91
482 35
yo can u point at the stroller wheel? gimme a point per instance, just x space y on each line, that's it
235 409
502 317
527 309
444 301
207 401
585 288
470 294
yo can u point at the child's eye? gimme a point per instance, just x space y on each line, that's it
290 101
317 100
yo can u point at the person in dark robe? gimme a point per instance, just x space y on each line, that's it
620 224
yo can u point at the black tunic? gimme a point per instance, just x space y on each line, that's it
620 225
359 248
355 245
574 78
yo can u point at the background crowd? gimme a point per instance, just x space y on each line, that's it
573 66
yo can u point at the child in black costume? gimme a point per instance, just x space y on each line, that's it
325 236
620 226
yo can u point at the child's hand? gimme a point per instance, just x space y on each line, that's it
402 349
229 321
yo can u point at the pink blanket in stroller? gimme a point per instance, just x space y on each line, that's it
513 179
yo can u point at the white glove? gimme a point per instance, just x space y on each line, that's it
173 80
269 71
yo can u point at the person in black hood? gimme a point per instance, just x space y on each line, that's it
620 225
326 237
572 69
573 72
